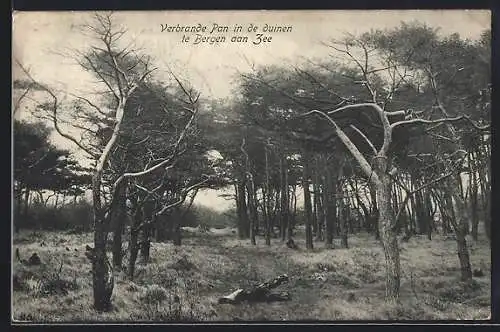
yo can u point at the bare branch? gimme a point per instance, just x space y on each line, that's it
150 192
169 160
97 108
395 113
191 201
437 121
383 118
46 153
370 144
88 130
17 104
182 198
362 67
359 106
314 80
164 162
54 107
409 192
444 138
284 93
363 163
98 73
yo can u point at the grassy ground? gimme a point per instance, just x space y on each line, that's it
338 284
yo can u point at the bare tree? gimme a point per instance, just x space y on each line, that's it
122 71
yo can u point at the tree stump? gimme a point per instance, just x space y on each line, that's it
291 244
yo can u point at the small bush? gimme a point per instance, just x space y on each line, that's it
43 280
49 285
58 285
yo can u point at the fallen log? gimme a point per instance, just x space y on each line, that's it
259 293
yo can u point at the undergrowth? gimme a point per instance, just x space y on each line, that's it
182 284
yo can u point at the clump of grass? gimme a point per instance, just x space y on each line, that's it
437 303
153 294
160 306
339 278
37 281
57 285
326 267
51 285
339 309
20 278
458 291
367 266
167 278
33 286
155 313
132 287
183 264
152 313
406 311
479 301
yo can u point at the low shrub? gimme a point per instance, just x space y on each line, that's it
76 217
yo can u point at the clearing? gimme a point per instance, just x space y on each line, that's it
338 284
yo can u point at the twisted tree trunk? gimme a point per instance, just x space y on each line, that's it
460 226
387 225
118 215
134 241
101 289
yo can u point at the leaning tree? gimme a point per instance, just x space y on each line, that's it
378 165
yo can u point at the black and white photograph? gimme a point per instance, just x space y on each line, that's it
241 166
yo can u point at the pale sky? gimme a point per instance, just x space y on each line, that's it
40 39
